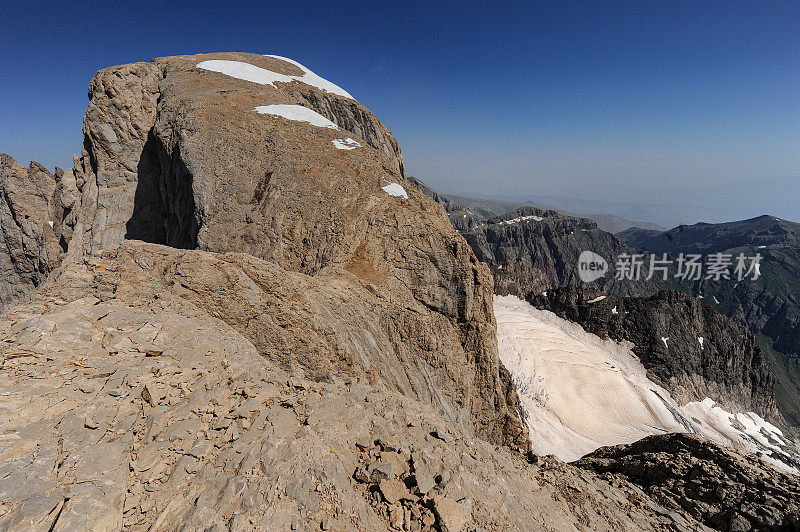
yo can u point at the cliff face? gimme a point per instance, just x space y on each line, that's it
690 349
530 249
29 250
258 155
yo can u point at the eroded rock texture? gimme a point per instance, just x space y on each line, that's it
178 155
723 489
134 404
29 250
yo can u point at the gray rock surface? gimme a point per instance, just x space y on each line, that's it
29 249
725 490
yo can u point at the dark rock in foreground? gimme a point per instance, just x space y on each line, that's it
721 488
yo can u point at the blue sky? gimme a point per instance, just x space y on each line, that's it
621 101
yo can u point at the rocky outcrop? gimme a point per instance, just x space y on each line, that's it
29 249
690 349
530 249
131 403
722 489
208 152
769 304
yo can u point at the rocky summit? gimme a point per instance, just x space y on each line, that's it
256 154
236 313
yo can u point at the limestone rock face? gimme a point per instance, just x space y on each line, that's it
256 154
29 249
139 409
99 198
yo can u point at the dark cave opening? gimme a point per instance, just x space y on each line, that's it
163 206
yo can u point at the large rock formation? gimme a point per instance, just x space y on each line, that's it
256 154
29 250
302 340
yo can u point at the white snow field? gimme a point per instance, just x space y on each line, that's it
395 189
297 113
263 76
581 392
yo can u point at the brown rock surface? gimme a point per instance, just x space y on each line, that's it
228 440
724 489
178 155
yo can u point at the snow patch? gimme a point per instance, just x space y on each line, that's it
309 78
297 113
614 311
579 392
701 340
395 189
346 144
50 223
664 339
597 299
522 219
263 76
747 431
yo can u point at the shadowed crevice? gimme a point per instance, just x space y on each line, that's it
163 207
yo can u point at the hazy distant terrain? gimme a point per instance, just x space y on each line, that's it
489 208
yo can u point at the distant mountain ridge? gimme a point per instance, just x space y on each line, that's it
769 304
489 208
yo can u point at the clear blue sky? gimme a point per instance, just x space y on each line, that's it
629 102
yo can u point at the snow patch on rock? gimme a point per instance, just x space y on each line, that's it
297 113
597 299
744 430
346 144
309 78
522 219
395 189
263 76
